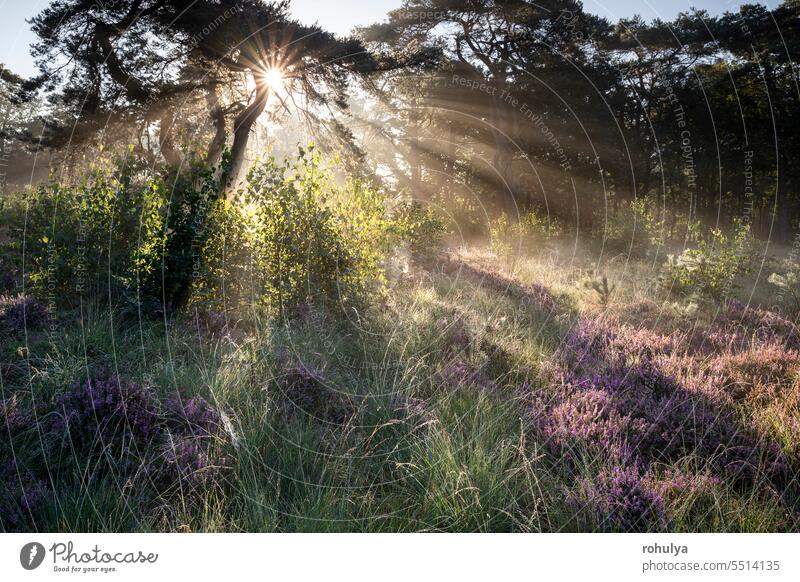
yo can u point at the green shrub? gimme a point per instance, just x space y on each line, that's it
149 243
530 232
118 234
466 213
191 211
228 278
421 228
632 229
296 237
710 268
788 286
538 228
97 237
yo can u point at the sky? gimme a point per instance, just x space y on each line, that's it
338 16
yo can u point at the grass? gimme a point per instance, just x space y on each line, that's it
432 390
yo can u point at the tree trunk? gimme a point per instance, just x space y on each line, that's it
172 154
414 158
218 120
503 161
242 126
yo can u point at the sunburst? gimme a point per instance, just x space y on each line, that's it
274 78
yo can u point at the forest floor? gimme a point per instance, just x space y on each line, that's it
481 394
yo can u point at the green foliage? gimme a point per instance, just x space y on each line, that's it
98 237
500 236
193 196
788 286
119 233
632 229
468 214
530 232
421 228
149 243
710 268
535 227
292 236
228 274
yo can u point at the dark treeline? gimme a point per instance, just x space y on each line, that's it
531 99
519 105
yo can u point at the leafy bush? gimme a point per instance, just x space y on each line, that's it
152 243
534 227
421 228
530 232
467 213
500 235
229 276
710 269
632 229
788 286
190 213
93 237
309 239
96 237
117 233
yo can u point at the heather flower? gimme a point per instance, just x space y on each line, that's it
585 419
107 412
677 484
762 371
735 306
652 381
413 410
410 406
187 463
742 328
456 336
193 416
306 390
19 312
22 499
685 424
619 500
187 460
646 411
595 345
586 343
460 374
